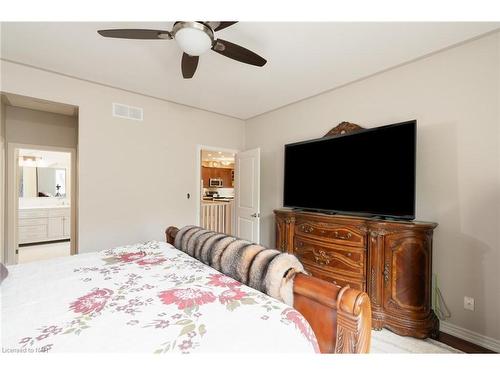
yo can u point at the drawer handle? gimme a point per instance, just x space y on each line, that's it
321 257
347 236
306 228
349 254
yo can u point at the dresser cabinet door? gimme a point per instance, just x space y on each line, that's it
406 274
66 226
56 227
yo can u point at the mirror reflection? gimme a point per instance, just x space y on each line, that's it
42 182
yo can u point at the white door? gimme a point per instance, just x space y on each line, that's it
247 195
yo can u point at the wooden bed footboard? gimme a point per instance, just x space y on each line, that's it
339 317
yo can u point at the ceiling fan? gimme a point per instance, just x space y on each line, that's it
194 38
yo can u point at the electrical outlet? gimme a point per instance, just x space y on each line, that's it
469 303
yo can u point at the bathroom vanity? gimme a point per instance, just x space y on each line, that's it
44 224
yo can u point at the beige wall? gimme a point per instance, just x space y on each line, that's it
29 126
134 176
455 97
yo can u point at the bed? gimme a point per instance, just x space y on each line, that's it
151 297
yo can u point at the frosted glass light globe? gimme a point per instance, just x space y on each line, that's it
193 41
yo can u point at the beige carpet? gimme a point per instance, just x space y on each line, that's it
385 341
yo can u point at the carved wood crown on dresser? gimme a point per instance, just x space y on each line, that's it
390 260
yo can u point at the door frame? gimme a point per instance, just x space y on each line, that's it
197 195
13 198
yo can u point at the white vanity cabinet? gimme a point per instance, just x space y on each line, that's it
44 224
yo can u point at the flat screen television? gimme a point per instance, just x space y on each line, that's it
370 172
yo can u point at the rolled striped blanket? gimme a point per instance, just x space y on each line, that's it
267 270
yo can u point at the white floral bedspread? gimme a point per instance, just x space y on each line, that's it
148 297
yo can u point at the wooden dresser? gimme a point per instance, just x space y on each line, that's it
390 260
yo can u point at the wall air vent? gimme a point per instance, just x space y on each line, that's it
128 112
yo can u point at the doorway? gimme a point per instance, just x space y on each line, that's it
44 204
42 212
41 179
228 198
216 187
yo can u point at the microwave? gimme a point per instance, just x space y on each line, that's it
215 182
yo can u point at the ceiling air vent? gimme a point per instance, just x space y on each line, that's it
126 111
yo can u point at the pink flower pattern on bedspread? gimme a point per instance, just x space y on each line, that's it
187 297
92 302
162 299
131 257
222 280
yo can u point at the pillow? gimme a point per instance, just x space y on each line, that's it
3 272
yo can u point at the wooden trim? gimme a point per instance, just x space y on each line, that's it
344 128
462 345
469 336
170 234
339 317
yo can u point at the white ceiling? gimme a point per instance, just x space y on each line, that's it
304 59
220 156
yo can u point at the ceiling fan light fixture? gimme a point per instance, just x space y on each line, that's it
194 38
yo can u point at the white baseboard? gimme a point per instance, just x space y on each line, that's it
473 337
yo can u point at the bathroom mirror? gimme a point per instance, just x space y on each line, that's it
42 182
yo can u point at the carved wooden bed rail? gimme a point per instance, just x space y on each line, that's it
339 317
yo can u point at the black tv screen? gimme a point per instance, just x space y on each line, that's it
370 172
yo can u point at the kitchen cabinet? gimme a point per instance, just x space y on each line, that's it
226 174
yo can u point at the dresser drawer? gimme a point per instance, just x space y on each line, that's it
28 222
33 214
334 233
337 279
56 212
32 233
346 260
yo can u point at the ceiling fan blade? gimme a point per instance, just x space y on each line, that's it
238 53
224 24
135 34
189 65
